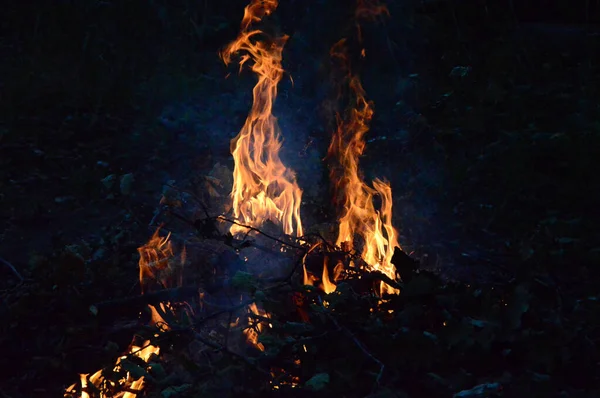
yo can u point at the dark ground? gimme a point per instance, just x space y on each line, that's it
486 124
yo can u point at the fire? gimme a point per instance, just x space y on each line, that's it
370 10
157 263
359 217
328 286
263 188
255 327
158 267
129 383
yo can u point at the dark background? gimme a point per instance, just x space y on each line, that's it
493 173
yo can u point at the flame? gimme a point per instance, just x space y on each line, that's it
281 378
133 386
158 266
309 278
263 188
157 263
359 217
328 286
255 327
368 10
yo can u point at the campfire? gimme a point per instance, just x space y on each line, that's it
218 287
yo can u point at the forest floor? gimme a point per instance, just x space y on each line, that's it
493 175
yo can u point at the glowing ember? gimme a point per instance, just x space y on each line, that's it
359 217
263 188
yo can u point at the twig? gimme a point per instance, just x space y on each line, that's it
251 228
380 276
225 311
13 269
181 218
295 267
134 303
200 201
357 343
226 343
321 238
219 347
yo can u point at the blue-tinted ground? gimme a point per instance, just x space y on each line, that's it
485 125
476 163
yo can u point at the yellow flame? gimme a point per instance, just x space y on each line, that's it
134 386
263 188
156 263
253 332
327 285
359 217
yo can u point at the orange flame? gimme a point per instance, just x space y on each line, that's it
132 385
370 9
157 267
255 327
359 216
157 264
263 188
327 285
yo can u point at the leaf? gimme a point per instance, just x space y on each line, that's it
481 390
566 240
126 184
458 334
270 340
134 370
430 336
437 379
477 322
174 390
296 327
420 285
109 181
260 296
317 382
243 280
539 377
158 371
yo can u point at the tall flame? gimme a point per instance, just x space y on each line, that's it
263 188
359 217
